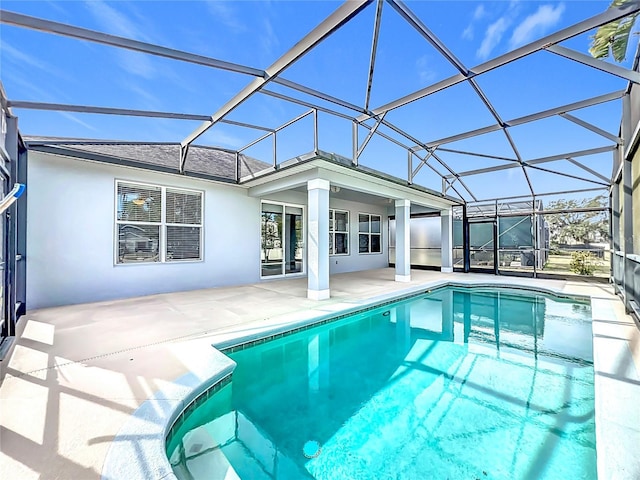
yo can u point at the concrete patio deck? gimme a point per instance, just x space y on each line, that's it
77 373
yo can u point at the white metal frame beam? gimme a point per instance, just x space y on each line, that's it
338 18
48 26
591 171
606 67
603 18
531 118
60 107
328 98
369 136
417 24
334 21
347 117
568 175
592 127
374 48
552 158
525 197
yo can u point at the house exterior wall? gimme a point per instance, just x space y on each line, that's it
71 235
354 261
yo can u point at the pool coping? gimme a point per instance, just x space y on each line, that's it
150 424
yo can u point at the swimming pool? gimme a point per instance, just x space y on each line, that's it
456 383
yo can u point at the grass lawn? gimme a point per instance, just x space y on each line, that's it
560 264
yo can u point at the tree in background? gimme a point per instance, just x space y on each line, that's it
571 227
612 39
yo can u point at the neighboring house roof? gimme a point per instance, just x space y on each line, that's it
209 162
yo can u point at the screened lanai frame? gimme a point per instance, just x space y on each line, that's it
420 152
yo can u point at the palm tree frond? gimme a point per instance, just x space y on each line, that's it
612 39
602 40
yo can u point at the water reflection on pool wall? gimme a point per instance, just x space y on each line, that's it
452 384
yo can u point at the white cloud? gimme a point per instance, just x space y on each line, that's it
114 21
22 57
118 24
143 96
26 63
492 37
425 74
49 94
479 13
225 139
467 33
75 119
536 24
226 14
137 63
268 39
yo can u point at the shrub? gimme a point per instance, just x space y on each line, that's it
582 263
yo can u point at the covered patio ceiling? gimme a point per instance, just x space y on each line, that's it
519 124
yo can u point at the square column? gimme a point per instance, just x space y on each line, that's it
403 241
446 247
318 239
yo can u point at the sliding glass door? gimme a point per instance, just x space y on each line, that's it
482 246
282 239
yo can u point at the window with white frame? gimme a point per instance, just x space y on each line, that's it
157 224
369 233
338 232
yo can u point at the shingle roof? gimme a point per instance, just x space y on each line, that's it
207 161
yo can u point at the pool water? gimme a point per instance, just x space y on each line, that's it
452 384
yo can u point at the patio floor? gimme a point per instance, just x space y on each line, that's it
78 372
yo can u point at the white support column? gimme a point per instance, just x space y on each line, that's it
318 239
446 246
403 241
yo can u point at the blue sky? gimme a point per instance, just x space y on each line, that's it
42 67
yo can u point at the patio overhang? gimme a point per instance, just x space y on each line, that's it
295 174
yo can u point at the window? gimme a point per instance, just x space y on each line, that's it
338 232
157 224
369 237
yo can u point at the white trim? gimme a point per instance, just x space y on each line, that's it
403 203
370 233
343 176
334 231
318 183
318 294
446 212
446 269
304 243
403 278
162 225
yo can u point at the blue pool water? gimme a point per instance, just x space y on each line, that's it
452 384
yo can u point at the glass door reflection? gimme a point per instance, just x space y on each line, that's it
282 239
